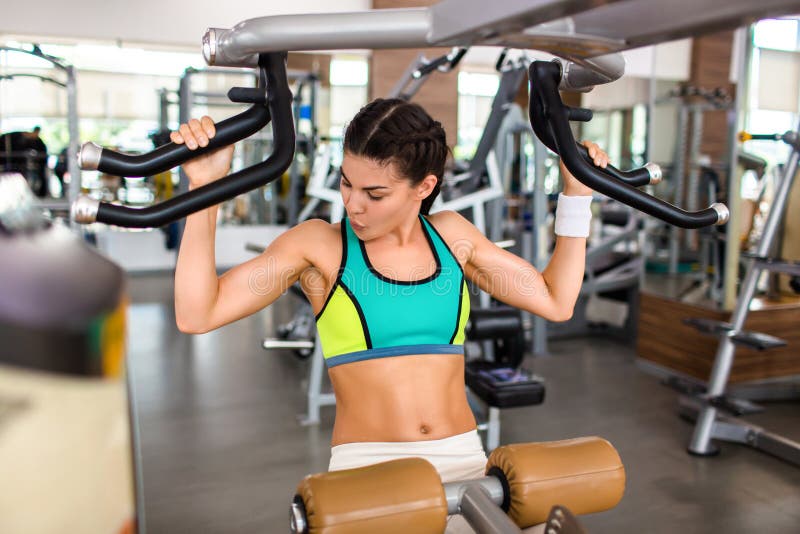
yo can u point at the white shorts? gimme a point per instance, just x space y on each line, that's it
459 457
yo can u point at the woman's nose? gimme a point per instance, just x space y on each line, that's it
353 204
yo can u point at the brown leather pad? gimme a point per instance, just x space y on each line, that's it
584 474
400 496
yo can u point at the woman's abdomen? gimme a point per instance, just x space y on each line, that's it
401 398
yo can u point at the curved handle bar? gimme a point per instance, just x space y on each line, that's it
279 100
649 174
548 114
228 131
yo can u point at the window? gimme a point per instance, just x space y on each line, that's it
778 34
349 77
776 53
475 95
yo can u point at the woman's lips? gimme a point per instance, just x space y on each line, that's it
357 226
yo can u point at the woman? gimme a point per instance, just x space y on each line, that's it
387 285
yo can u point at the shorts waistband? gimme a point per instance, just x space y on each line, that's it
468 441
456 457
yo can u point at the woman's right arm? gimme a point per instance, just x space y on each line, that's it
204 301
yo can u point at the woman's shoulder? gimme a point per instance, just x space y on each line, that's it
315 229
450 223
458 233
315 236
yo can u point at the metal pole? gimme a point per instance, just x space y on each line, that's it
453 491
293 207
312 142
74 136
651 108
483 515
184 115
540 238
315 397
732 249
679 164
693 180
163 109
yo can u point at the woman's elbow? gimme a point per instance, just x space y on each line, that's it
561 315
188 325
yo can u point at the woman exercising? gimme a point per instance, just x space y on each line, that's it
387 286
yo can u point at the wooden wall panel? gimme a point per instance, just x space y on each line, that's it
710 68
319 64
667 342
439 95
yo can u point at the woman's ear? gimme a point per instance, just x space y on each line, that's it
426 186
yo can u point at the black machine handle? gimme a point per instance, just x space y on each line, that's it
649 174
228 131
550 121
450 59
273 80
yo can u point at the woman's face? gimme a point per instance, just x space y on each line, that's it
376 198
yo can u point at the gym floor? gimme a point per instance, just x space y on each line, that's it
223 452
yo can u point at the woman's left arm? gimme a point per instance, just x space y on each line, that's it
512 280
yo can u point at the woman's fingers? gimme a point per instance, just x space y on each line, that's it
188 136
195 133
198 132
208 126
599 158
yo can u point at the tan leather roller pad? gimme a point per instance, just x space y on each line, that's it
400 496
585 474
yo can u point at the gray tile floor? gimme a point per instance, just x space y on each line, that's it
222 450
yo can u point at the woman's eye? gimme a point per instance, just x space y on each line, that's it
344 184
372 197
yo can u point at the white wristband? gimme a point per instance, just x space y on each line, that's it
573 216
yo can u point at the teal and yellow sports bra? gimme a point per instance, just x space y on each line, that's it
368 316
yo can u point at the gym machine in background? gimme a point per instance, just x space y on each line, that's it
68 84
691 179
710 403
415 75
